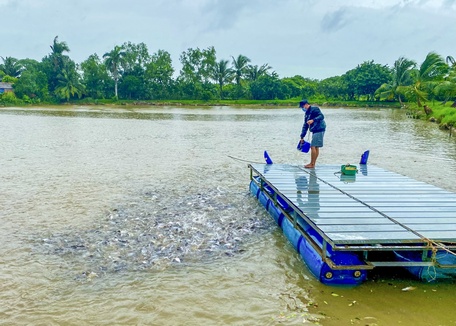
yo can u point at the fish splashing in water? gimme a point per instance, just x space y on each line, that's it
160 230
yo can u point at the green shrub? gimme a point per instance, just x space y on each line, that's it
9 99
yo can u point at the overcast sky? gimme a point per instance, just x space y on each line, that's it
311 38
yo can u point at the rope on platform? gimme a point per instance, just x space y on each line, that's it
433 277
432 244
240 159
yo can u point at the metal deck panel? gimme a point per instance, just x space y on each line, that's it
414 224
375 206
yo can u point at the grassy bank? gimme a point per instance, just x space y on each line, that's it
273 103
10 100
441 113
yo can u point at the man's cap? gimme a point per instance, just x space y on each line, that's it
301 104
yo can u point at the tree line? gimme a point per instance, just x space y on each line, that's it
130 72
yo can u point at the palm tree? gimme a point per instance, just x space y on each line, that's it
58 48
55 62
426 78
113 60
254 72
69 84
240 67
401 77
448 87
222 74
11 67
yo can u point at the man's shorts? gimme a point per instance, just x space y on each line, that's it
317 139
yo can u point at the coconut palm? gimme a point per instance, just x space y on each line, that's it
426 78
58 48
222 74
11 67
240 67
254 72
54 63
401 77
69 84
114 60
447 88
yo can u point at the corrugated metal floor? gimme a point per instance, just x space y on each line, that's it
375 206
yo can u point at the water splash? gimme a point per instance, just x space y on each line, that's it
159 229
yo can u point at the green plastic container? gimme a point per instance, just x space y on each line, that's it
348 169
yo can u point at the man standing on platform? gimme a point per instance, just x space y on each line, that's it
314 122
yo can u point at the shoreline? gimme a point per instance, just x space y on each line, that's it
193 103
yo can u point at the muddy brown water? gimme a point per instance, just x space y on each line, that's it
142 216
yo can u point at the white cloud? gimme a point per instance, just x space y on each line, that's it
313 38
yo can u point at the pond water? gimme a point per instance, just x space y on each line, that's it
142 216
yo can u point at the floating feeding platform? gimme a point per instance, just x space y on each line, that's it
345 225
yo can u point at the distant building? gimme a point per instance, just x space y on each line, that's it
6 87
